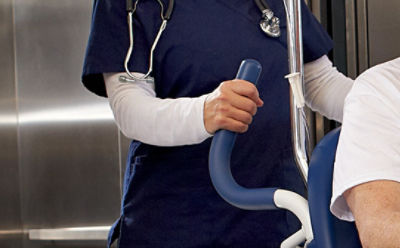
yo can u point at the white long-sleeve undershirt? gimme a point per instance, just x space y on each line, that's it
142 116
326 88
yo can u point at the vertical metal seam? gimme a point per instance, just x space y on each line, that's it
16 95
312 117
367 33
362 35
120 163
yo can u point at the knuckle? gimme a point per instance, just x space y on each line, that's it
253 90
223 97
222 86
225 85
242 82
220 120
222 108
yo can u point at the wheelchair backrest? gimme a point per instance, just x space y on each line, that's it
329 231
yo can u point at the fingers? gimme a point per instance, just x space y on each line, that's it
231 124
244 88
231 106
227 111
243 95
245 104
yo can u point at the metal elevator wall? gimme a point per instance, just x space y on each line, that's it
10 220
60 163
383 30
372 29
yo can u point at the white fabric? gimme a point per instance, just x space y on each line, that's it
172 122
369 145
326 88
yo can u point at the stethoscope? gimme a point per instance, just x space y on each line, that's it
269 24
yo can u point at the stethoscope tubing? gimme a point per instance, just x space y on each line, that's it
269 24
262 5
131 8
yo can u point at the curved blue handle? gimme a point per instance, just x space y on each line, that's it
220 160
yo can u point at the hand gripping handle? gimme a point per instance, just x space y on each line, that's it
220 157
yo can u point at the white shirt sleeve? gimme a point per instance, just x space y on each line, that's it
326 88
142 116
369 144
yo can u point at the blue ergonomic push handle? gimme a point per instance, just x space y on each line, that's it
220 157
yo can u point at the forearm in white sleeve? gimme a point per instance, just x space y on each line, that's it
142 116
326 88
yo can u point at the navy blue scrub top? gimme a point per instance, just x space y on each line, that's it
168 199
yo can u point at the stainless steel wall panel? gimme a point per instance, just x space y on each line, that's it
10 220
351 39
64 244
383 30
69 177
68 142
362 35
316 8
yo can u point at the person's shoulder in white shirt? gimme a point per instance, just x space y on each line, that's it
367 169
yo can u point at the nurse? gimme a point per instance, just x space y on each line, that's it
168 199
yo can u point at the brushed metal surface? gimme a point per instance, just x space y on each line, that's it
65 244
316 8
362 35
383 30
351 39
68 142
10 221
316 128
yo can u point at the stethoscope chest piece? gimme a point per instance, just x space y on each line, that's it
270 24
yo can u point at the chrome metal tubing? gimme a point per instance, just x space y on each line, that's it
295 54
